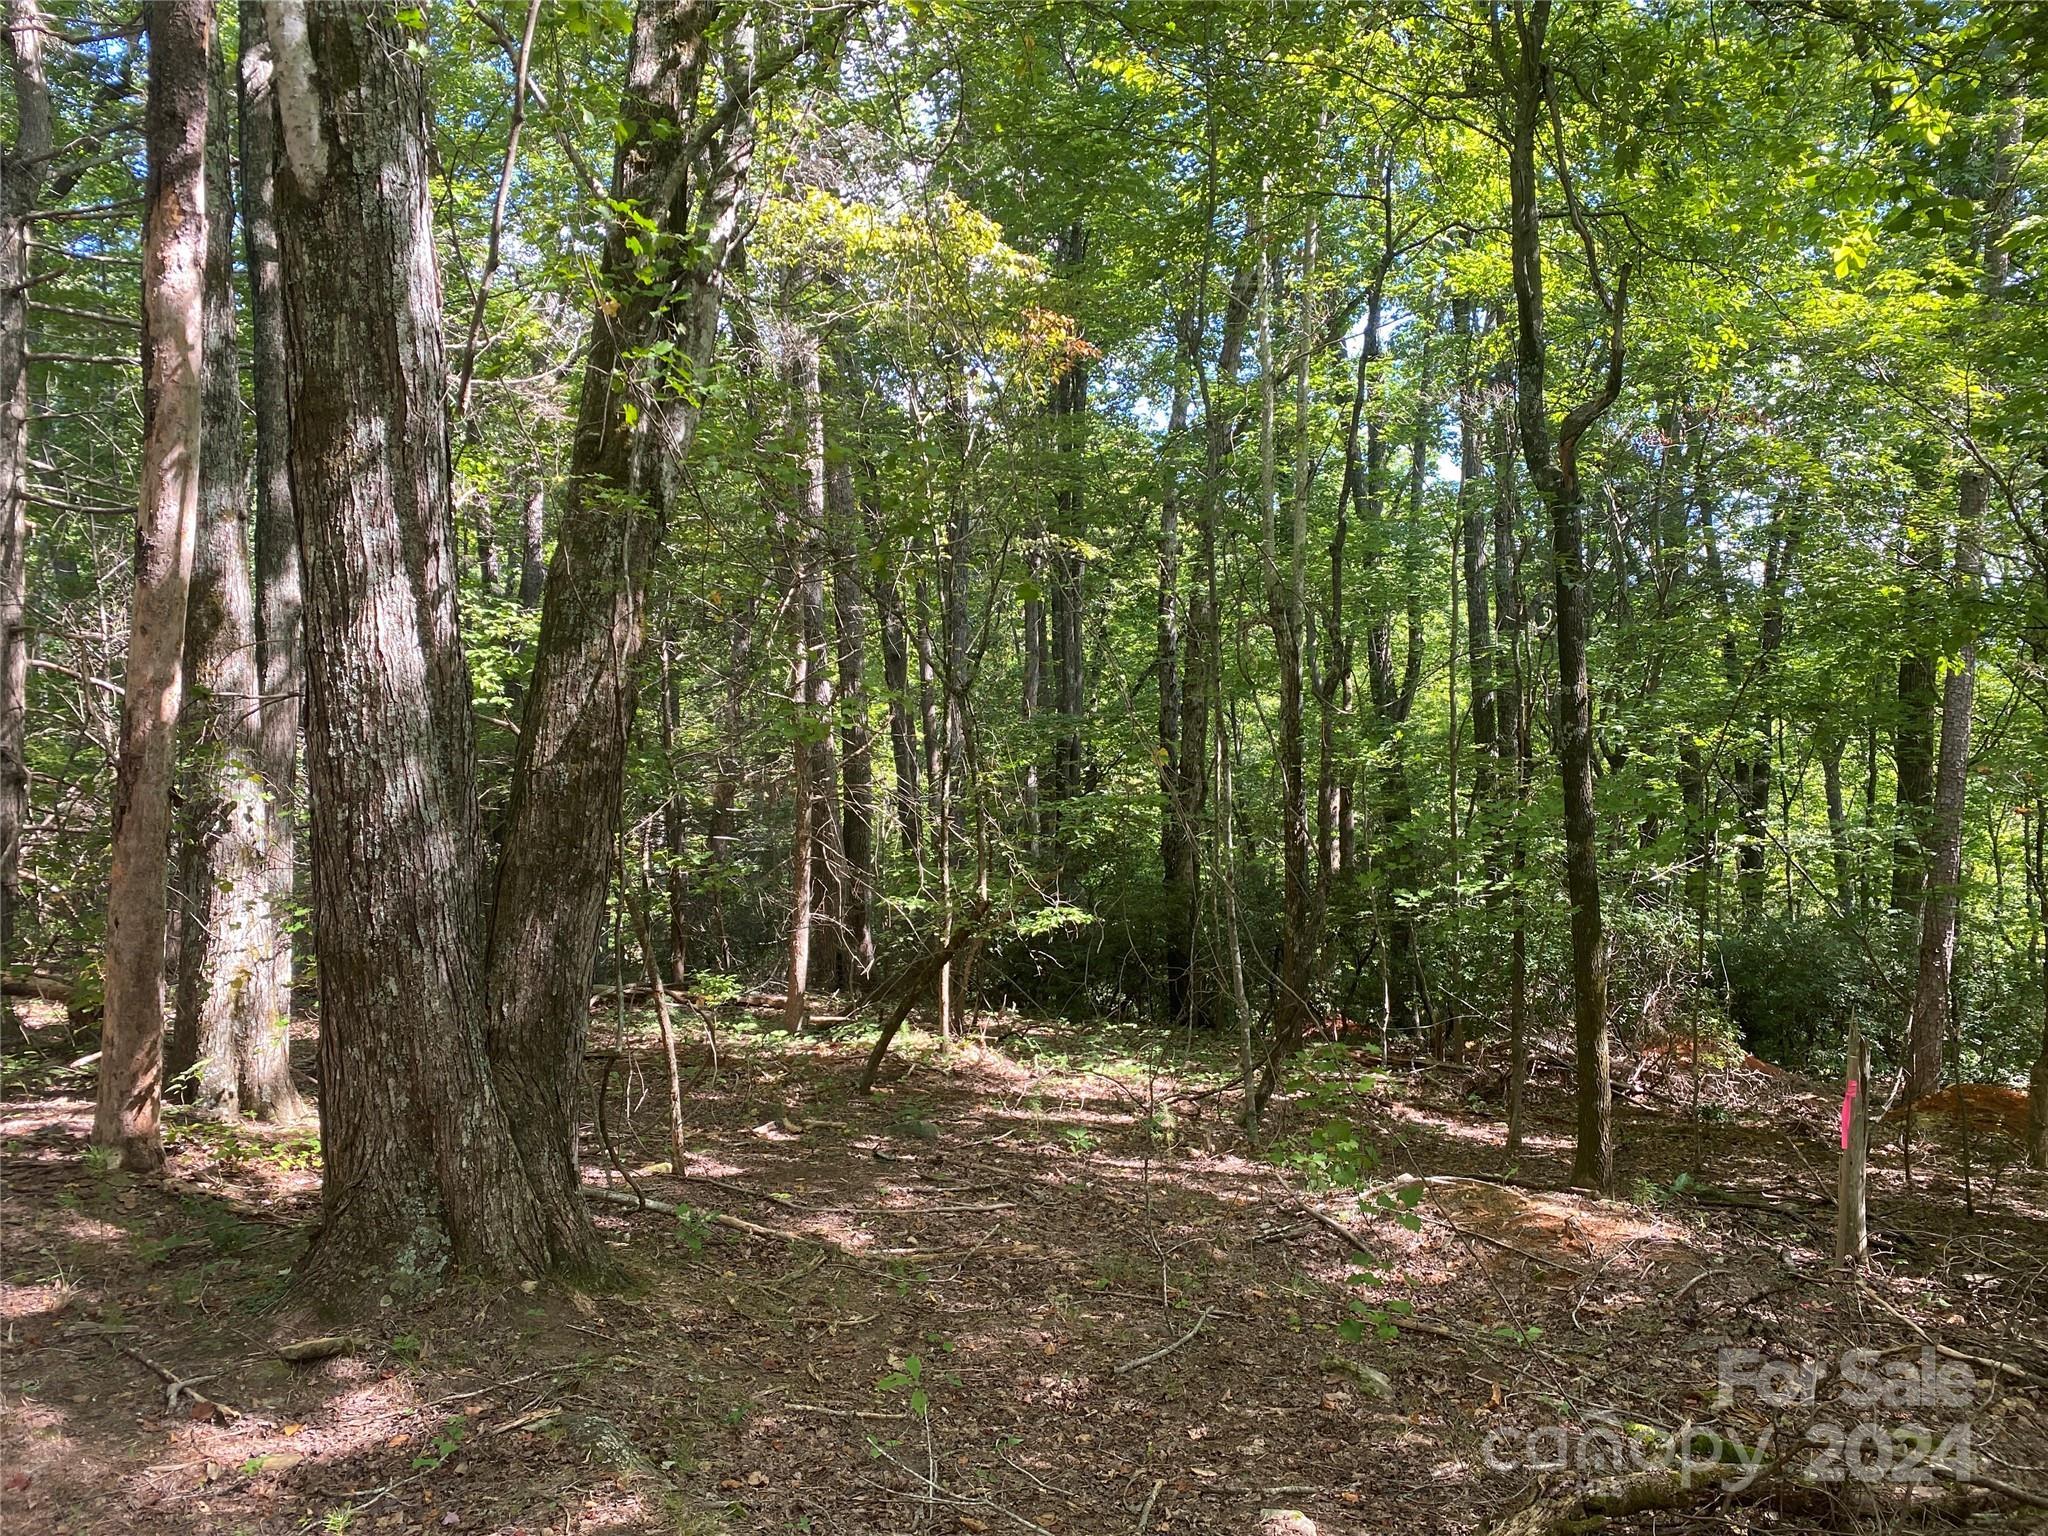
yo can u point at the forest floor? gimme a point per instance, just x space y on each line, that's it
1039 1282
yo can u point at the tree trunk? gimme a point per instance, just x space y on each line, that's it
1829 749
955 678
903 747
419 1159
1945 844
856 738
229 1024
676 877
267 1090
1031 695
633 431
1177 863
1474 540
23 169
1552 460
794 534
532 532
1512 635
1207 737
173 302
814 721
2037 1080
1293 1006
488 574
1913 727
1070 439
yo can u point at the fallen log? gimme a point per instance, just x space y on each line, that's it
1640 1493
45 989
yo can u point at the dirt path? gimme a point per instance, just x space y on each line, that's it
1016 1290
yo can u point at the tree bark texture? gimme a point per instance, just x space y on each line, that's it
1940 895
280 621
633 429
23 172
419 1158
173 346
230 1030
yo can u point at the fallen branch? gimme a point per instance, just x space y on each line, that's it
47 989
904 992
1997 1485
1949 1352
181 1394
1160 1354
843 1413
715 1218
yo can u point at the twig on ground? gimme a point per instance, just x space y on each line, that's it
177 1388
1160 1354
843 1413
1145 1514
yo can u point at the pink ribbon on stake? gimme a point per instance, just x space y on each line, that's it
1848 1104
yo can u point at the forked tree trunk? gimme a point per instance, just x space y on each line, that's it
419 1161
228 1026
173 302
267 1089
633 430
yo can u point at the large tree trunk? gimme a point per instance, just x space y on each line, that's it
633 429
1939 896
267 1089
23 168
1552 459
228 1006
417 1147
173 301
